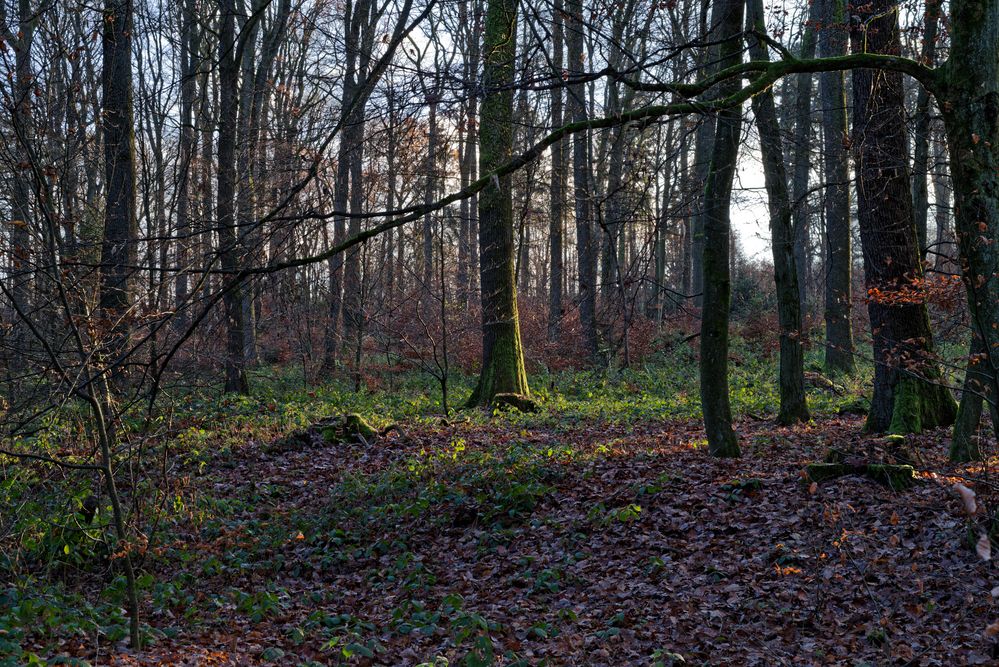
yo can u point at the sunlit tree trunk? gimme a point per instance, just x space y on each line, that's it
502 352
21 214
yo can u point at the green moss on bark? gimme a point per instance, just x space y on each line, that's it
920 405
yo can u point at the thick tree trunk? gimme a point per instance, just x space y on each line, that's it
971 114
728 20
908 396
793 406
703 138
832 42
245 187
502 352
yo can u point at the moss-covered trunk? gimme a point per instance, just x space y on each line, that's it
908 395
975 392
722 441
502 353
971 114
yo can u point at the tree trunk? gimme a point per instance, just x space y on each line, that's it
976 390
921 134
118 248
502 353
353 18
702 162
556 220
188 140
353 277
728 20
832 42
971 114
21 214
801 159
229 253
585 251
908 396
429 193
793 406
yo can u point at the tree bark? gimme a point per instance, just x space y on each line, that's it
21 214
793 406
235 361
585 250
556 222
118 247
189 40
702 163
908 396
801 160
921 133
832 42
728 20
971 115
503 368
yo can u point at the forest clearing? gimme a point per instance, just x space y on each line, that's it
593 533
493 332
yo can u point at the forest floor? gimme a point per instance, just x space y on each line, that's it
564 543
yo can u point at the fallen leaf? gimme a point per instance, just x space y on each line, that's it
968 497
984 547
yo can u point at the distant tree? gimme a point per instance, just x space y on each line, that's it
832 41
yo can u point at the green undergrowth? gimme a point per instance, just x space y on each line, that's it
378 519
